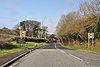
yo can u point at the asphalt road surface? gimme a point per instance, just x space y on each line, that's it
54 55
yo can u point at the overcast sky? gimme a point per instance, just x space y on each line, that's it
12 12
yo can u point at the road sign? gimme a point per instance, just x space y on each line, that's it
90 35
22 33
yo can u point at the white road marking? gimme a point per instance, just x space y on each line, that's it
62 51
76 57
68 53
87 62
55 46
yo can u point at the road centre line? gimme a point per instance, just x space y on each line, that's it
55 46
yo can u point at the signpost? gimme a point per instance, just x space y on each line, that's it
21 39
90 36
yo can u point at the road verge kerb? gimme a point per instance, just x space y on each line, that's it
18 57
13 60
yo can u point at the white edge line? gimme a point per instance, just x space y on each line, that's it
68 53
76 57
60 49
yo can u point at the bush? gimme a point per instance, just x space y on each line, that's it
5 40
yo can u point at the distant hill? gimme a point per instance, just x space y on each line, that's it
7 31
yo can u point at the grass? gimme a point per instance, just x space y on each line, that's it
93 49
96 51
28 45
9 51
14 47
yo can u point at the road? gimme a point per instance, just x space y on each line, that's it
54 55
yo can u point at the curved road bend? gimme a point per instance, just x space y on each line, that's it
54 55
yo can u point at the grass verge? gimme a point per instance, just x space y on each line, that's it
14 47
93 49
28 45
9 51
85 49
